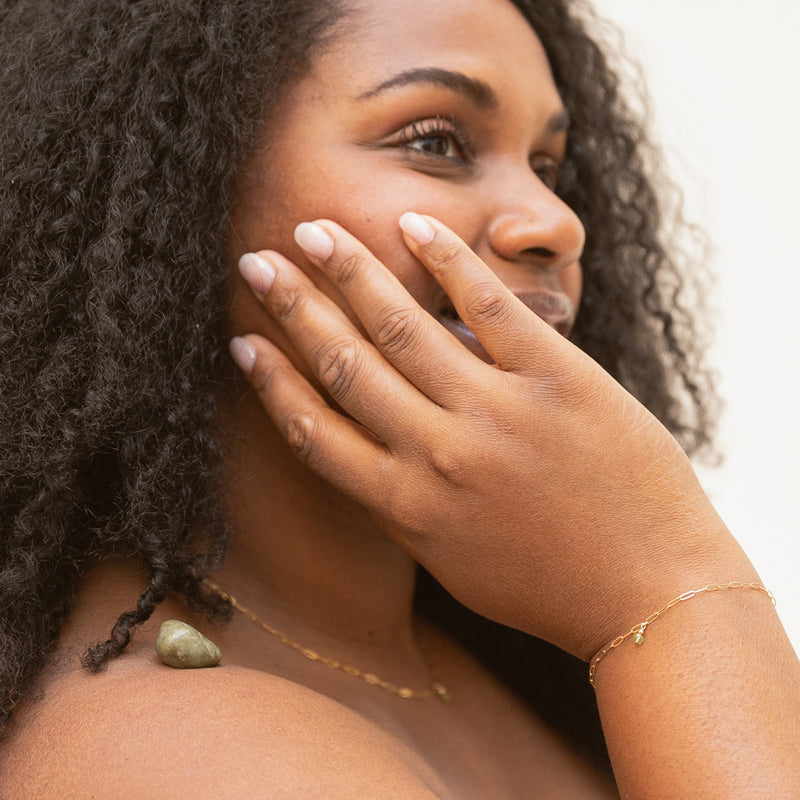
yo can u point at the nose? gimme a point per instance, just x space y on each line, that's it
530 224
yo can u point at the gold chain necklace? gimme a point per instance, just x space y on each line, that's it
436 689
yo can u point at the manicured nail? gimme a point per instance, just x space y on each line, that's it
243 353
257 271
314 240
419 229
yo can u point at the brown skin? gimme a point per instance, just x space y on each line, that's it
676 696
536 489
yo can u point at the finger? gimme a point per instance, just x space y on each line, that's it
339 449
345 363
407 335
505 326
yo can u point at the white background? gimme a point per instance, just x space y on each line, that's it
723 78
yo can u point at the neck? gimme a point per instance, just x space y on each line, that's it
303 556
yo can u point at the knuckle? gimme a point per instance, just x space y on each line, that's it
300 434
397 331
338 365
445 255
448 465
263 386
487 307
348 268
286 303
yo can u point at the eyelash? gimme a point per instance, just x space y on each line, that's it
456 133
549 173
450 129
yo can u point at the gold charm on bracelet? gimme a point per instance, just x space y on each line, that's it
637 631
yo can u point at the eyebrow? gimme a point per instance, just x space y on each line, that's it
480 93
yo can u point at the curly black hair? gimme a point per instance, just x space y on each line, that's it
124 125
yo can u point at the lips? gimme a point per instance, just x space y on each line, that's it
554 308
450 320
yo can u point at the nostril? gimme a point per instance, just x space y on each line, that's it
539 252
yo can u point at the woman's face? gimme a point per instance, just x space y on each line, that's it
446 108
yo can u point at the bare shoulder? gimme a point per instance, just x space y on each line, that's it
140 730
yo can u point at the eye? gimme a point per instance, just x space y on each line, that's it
548 171
437 138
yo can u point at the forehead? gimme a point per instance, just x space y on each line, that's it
378 38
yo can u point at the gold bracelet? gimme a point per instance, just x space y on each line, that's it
637 632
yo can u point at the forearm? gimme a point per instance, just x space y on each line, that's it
708 706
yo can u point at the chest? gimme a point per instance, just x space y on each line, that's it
484 744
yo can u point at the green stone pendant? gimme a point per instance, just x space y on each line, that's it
638 637
181 646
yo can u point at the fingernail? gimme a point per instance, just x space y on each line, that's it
257 271
243 353
314 240
419 229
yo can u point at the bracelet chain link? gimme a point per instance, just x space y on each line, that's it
637 631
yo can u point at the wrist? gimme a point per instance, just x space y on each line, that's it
630 591
636 634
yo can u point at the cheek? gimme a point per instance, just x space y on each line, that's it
368 204
376 200
364 195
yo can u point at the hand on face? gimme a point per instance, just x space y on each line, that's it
535 489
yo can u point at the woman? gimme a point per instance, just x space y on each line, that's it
535 489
